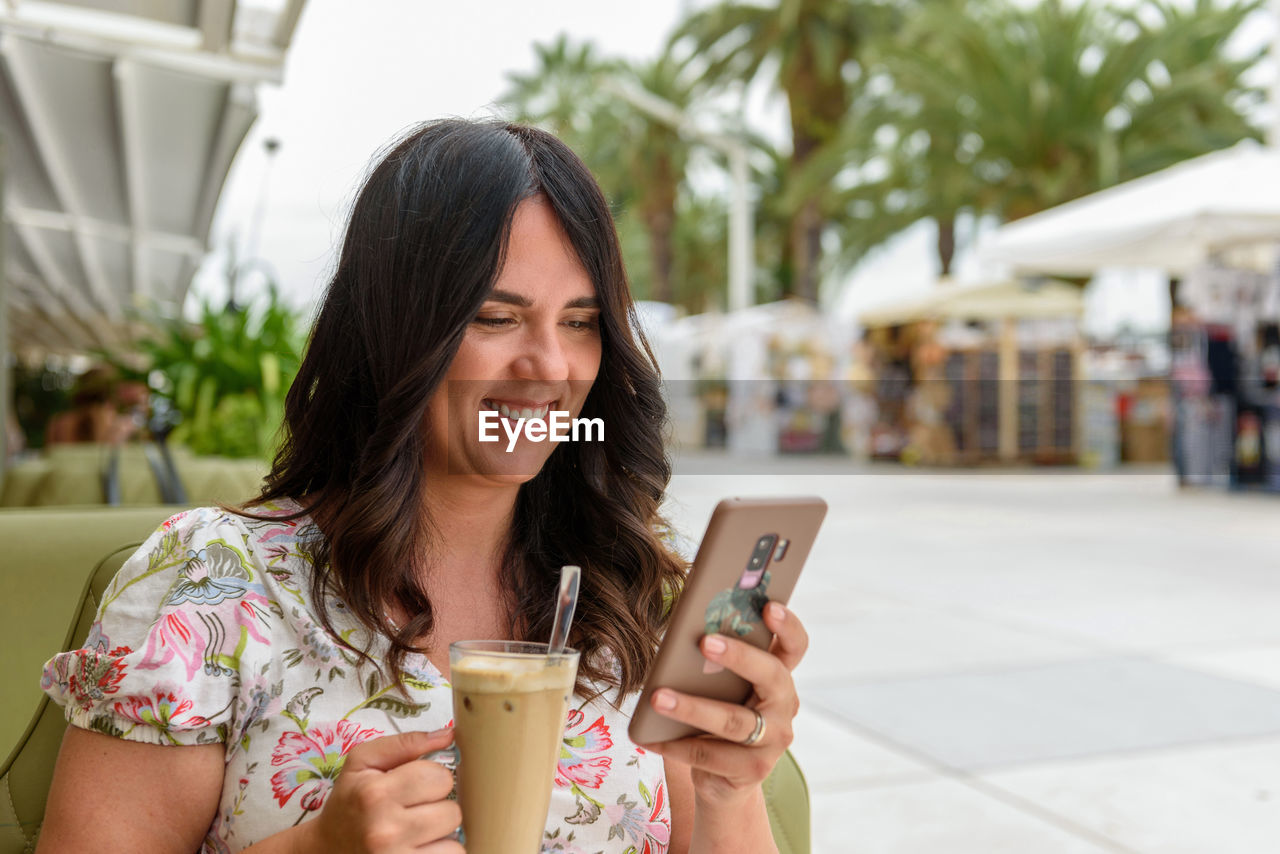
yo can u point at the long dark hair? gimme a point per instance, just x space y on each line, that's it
426 240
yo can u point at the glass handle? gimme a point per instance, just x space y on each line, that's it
448 757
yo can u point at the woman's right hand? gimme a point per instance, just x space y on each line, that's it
387 799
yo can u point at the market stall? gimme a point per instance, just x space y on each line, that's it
972 374
761 380
1212 225
1225 343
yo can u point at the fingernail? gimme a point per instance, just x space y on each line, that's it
441 731
776 611
664 701
714 645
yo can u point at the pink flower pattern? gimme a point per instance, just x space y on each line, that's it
89 674
207 610
628 819
657 830
164 710
173 635
584 758
312 759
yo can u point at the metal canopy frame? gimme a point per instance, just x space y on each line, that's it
120 122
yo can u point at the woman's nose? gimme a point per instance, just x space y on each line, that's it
543 357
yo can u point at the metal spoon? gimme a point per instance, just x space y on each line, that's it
566 602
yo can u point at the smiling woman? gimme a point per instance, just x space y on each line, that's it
261 656
533 347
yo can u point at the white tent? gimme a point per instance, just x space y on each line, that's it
1170 220
986 301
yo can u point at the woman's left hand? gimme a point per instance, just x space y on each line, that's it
727 772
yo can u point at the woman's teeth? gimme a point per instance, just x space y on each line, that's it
517 412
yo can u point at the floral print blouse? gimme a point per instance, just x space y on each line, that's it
209 634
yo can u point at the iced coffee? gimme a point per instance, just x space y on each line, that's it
510 701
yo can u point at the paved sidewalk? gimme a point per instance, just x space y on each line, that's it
1035 662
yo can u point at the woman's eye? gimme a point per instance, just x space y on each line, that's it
495 322
583 324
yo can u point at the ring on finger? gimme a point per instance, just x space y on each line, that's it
758 732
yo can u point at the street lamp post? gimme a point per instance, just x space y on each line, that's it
741 235
271 145
1273 132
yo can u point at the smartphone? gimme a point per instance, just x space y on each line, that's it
751 555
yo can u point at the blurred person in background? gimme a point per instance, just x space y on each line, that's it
103 409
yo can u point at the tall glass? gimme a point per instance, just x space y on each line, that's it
510 700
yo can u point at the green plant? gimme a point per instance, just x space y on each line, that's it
226 375
1005 108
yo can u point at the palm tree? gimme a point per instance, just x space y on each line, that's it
639 160
562 94
812 46
656 157
701 240
1004 109
1199 101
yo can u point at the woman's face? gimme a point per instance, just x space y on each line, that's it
534 347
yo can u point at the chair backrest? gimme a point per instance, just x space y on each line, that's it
62 544
27 771
141 475
786 796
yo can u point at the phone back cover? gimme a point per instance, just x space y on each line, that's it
711 603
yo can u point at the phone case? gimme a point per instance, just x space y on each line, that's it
715 600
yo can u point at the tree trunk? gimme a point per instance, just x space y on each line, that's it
946 244
661 257
806 226
806 246
658 210
818 98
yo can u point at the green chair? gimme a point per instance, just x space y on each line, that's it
57 563
786 797
49 605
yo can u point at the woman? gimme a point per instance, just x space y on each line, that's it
284 643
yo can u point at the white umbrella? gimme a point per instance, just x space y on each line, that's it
985 301
1169 220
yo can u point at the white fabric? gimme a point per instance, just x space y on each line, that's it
1170 220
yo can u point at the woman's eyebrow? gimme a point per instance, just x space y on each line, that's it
512 298
509 297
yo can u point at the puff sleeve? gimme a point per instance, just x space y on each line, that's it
173 632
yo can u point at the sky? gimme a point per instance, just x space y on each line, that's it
354 80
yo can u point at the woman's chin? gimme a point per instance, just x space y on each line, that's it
509 479
517 466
